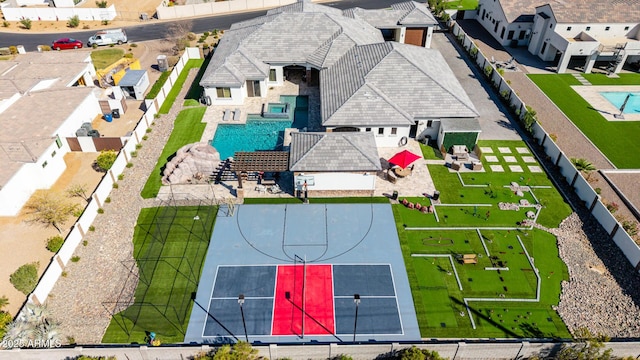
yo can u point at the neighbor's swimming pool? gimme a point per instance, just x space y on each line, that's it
616 98
260 133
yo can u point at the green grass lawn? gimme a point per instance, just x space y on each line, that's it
614 138
437 297
175 90
169 249
462 4
103 58
188 128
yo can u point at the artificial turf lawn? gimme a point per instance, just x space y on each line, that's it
169 249
462 4
616 139
188 128
175 90
349 200
438 300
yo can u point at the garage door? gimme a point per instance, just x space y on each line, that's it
415 37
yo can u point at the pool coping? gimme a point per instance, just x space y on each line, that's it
591 94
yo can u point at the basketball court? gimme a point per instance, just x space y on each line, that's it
300 273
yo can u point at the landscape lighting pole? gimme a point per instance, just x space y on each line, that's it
241 302
356 300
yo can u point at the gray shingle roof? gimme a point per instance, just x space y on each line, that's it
299 33
391 84
333 152
574 11
461 125
409 13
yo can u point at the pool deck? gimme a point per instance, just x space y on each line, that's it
592 95
253 105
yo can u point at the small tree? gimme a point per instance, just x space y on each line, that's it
586 347
25 278
26 23
101 4
584 166
74 21
105 160
529 118
49 208
78 190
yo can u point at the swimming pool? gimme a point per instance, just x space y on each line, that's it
260 133
616 98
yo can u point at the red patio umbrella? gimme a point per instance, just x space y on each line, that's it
404 158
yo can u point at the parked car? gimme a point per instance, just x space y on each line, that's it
66 43
108 37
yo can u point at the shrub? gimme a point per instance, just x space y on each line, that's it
145 138
597 190
129 164
106 159
134 153
26 23
75 258
148 130
105 22
92 228
45 47
155 89
86 27
5 319
5 23
488 70
101 4
191 36
115 185
133 45
95 46
121 177
128 55
13 49
54 243
25 278
107 200
553 137
138 146
100 211
74 21
85 242
64 274
78 212
473 52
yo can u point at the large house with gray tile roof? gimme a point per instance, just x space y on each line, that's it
391 89
572 34
334 162
44 98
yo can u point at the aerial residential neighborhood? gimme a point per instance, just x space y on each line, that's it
299 179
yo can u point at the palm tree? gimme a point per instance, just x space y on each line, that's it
584 166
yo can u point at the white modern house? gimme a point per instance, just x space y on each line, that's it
44 98
392 89
572 34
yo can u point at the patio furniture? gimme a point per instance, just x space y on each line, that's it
456 165
261 188
391 177
227 115
470 259
402 172
476 165
236 114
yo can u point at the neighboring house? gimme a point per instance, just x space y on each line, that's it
333 162
44 98
392 89
572 34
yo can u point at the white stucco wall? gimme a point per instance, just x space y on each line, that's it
279 76
85 112
424 131
342 181
387 139
31 177
237 96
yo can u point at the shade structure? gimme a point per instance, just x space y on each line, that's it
404 158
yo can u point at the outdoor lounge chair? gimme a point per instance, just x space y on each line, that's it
227 115
236 115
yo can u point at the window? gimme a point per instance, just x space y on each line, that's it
522 34
510 34
367 129
607 28
626 28
58 141
394 131
544 47
44 164
550 26
502 33
380 131
272 74
429 123
53 153
588 28
568 28
223 92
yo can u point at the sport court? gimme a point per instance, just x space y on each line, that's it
298 268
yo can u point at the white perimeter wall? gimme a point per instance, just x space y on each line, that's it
343 181
173 12
58 14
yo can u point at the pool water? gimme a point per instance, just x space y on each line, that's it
260 133
617 98
276 108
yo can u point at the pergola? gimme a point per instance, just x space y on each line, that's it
265 161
